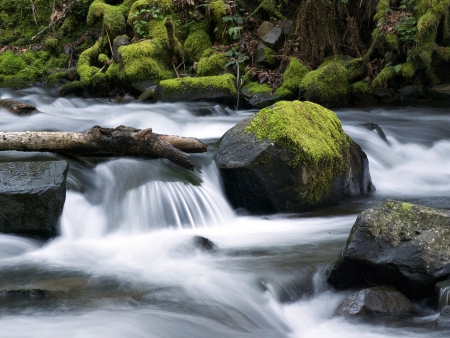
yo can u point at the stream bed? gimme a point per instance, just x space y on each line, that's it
126 265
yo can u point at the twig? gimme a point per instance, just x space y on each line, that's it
109 40
175 69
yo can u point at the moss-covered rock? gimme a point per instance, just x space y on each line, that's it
292 78
328 85
113 16
212 65
397 244
196 44
208 88
290 157
258 95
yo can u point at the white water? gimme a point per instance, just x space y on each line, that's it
125 264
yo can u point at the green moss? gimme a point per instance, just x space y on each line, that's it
382 8
271 8
85 69
113 17
196 43
328 84
103 59
257 88
292 77
10 64
355 69
408 70
174 87
385 75
51 44
55 77
314 134
219 10
113 71
212 65
270 56
143 60
391 40
360 87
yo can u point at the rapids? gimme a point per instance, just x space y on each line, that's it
125 264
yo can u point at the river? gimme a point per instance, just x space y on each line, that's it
125 264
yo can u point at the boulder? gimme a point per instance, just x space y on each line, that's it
32 196
328 86
444 317
204 244
264 29
121 40
397 244
18 108
290 157
273 38
380 299
220 89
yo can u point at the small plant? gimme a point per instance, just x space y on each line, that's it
235 30
407 29
142 17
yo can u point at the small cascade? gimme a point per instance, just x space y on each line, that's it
444 294
138 196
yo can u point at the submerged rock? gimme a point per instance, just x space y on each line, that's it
18 108
291 157
397 244
381 299
204 244
444 317
32 196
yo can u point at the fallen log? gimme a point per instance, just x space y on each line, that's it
106 142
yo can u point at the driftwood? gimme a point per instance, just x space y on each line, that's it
105 142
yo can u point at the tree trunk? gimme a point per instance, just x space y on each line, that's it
100 142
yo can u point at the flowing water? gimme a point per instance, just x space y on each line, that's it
126 265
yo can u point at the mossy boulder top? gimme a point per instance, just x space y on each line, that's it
290 157
398 244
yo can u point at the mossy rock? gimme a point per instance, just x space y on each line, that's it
212 65
220 89
292 78
99 85
196 43
291 157
328 85
258 95
397 244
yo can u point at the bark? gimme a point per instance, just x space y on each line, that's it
105 142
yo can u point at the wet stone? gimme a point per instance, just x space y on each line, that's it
444 317
18 108
32 196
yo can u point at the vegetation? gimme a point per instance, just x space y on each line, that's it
337 48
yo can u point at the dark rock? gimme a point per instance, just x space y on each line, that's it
381 299
377 129
440 92
121 40
259 175
216 110
29 293
143 86
264 29
32 196
204 244
18 108
259 100
148 95
286 26
265 56
411 92
273 38
397 244
444 317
